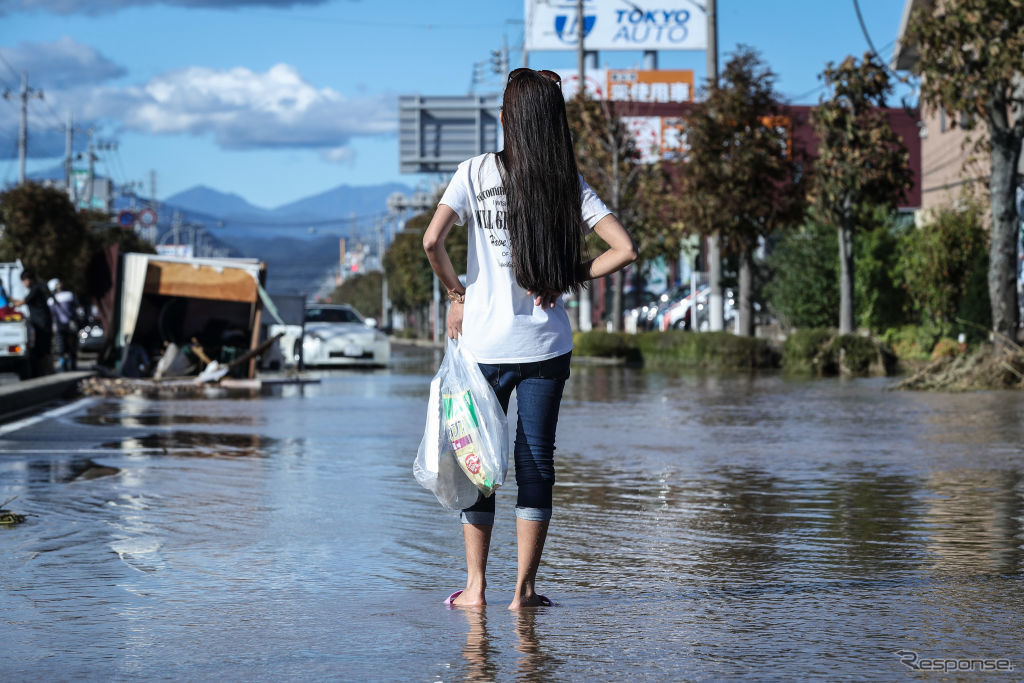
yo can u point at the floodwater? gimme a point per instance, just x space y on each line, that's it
706 527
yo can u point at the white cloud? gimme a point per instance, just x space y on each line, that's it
247 109
239 108
339 155
96 7
64 63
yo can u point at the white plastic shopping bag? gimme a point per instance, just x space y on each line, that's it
464 449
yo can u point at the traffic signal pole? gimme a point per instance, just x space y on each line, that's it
716 316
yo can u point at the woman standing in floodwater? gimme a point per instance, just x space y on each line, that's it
528 211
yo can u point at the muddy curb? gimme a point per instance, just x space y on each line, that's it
24 396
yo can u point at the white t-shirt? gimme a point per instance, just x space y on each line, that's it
501 323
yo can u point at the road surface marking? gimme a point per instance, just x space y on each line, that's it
56 412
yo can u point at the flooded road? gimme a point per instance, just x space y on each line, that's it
705 527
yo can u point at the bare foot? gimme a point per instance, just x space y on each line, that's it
533 600
470 598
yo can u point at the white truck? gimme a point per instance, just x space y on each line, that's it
14 327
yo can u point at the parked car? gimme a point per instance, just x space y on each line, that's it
678 315
14 327
730 312
14 340
728 309
91 336
336 335
649 315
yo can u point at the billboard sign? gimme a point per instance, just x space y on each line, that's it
635 85
179 250
616 25
658 137
437 133
664 137
596 83
631 85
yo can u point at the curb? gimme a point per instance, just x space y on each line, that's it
22 396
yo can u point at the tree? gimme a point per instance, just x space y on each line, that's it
804 290
862 164
42 228
739 177
410 278
879 291
361 291
608 158
944 266
970 61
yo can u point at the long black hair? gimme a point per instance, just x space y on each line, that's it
542 186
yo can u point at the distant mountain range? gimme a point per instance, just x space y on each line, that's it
336 206
298 241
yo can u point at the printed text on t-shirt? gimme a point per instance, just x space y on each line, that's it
495 219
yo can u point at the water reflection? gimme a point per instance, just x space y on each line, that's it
705 527
974 521
195 444
477 649
58 471
534 662
100 415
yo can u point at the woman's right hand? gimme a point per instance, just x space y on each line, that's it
455 311
546 298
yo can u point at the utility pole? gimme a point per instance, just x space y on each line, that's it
385 319
68 179
25 93
584 308
91 177
580 53
716 316
152 187
175 229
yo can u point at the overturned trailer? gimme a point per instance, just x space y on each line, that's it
212 304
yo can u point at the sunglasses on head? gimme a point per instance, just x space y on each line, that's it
546 73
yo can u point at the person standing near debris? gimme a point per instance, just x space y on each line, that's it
64 310
528 210
40 321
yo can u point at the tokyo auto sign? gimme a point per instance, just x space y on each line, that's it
616 25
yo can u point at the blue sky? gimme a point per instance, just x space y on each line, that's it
278 99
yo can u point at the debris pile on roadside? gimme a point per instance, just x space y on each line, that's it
8 518
987 367
179 386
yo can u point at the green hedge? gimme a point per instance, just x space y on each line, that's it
710 349
804 351
824 353
606 345
819 352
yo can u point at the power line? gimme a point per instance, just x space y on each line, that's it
393 24
906 80
120 163
10 68
864 29
51 114
12 159
823 86
224 221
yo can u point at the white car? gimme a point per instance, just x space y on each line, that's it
678 315
338 335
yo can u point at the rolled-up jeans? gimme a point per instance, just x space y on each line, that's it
538 388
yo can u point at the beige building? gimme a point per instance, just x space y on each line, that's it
950 162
